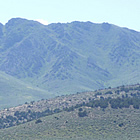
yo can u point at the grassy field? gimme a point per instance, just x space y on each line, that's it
108 124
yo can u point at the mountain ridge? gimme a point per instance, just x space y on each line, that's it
66 58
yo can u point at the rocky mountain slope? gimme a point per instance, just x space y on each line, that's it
112 113
120 97
66 58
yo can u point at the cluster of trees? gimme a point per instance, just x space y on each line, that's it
115 102
22 117
31 115
7 122
127 89
125 102
103 103
119 90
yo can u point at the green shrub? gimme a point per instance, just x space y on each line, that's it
82 113
38 121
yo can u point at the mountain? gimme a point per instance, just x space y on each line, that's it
67 58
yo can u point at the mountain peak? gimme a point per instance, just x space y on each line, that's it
21 21
16 20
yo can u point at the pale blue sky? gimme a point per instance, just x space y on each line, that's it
124 13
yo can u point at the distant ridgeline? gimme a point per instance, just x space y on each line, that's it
112 98
44 61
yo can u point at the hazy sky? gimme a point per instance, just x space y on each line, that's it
124 13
